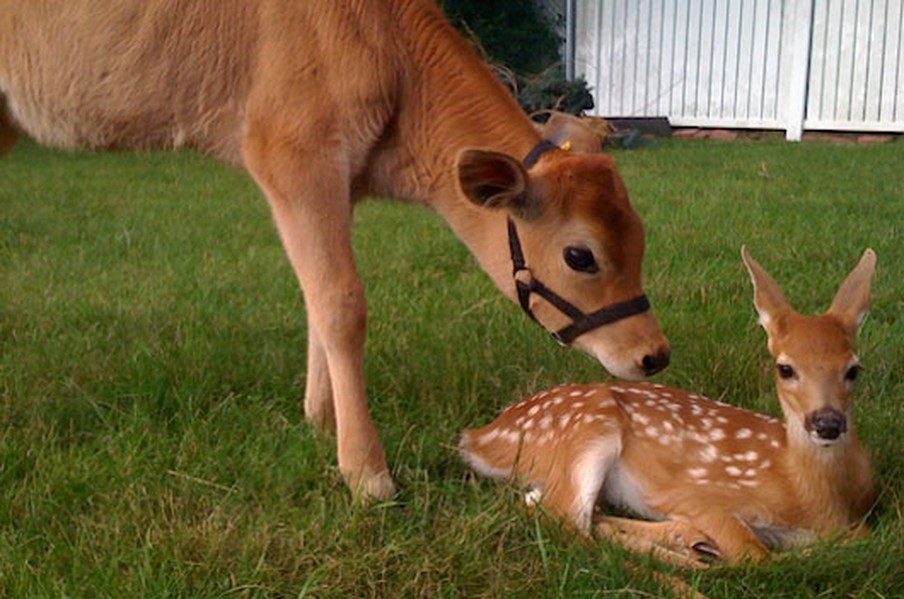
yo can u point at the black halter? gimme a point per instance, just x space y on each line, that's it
581 322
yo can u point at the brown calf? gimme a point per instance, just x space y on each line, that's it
324 102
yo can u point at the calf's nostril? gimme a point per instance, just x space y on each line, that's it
652 364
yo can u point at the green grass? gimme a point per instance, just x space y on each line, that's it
152 340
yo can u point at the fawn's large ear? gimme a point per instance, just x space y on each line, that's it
768 297
852 300
496 180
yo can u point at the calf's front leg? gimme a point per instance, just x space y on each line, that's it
309 197
318 392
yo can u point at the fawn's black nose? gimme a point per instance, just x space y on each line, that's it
652 364
827 424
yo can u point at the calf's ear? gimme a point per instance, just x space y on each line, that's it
496 180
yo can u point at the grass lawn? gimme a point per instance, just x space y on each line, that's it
152 342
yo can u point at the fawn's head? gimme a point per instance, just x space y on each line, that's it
581 244
815 360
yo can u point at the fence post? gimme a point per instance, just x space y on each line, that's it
570 39
796 107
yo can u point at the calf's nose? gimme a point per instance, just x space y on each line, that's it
653 363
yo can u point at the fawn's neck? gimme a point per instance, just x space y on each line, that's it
833 484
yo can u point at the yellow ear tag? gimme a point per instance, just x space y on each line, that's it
566 146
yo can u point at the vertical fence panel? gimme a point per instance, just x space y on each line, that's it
738 63
729 57
857 70
872 93
772 72
891 104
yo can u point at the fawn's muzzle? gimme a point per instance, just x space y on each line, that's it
826 424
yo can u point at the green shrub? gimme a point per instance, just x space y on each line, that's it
550 90
516 34
524 44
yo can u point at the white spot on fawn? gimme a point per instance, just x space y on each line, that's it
743 433
708 454
697 472
640 418
488 437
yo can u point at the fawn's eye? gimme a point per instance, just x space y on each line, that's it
784 371
851 374
580 259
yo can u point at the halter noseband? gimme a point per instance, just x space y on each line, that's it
581 322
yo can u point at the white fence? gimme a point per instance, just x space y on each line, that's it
773 64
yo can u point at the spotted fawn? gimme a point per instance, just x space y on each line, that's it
728 481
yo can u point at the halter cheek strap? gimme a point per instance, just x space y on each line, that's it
581 322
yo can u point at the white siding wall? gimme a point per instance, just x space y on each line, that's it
784 64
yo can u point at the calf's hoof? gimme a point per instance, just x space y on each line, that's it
367 486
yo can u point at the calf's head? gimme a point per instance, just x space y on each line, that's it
577 247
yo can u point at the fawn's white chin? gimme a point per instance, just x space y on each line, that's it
822 442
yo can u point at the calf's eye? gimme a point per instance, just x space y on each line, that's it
580 259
